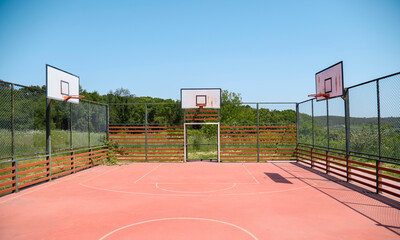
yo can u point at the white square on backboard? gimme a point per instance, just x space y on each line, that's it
201 100
60 83
328 85
64 88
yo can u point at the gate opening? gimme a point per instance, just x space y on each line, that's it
202 142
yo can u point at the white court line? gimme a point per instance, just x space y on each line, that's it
211 191
87 180
298 176
148 173
193 194
48 184
250 174
205 183
180 218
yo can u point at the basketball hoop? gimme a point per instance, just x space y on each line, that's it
325 95
66 98
201 106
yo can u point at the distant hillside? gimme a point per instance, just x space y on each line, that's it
339 120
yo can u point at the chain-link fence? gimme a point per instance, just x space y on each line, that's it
355 137
269 129
373 119
23 122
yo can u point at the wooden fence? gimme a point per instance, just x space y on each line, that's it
148 143
378 176
262 143
25 172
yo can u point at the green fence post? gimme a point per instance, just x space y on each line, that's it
347 128
297 132
89 123
91 156
145 132
72 163
312 122
107 122
378 164
73 157
14 163
48 135
70 126
327 122
15 172
258 133
12 121
327 162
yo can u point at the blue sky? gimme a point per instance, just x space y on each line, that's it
265 50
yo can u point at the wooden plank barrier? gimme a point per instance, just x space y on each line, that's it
36 170
263 143
201 115
148 143
360 170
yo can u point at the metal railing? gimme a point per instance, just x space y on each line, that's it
41 141
361 131
24 125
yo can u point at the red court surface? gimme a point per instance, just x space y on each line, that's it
198 200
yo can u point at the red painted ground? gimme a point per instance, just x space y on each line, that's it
197 201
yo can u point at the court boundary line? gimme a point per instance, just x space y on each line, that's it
70 177
199 194
148 173
243 165
211 191
51 183
179 218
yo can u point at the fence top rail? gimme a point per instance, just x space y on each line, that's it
163 103
41 90
374 80
19 85
90 101
363 83
375 159
178 103
308 100
53 154
323 148
354 154
372 155
255 124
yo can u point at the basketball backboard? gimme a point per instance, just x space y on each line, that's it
61 84
329 82
192 98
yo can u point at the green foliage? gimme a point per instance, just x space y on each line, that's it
112 158
233 112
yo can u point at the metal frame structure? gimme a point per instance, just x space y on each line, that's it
204 123
342 161
360 167
31 166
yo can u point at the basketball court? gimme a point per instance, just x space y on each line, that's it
197 200
163 189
